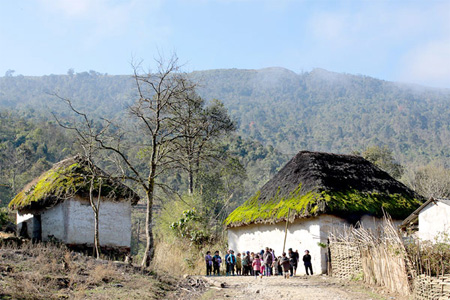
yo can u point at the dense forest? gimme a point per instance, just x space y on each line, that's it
318 110
277 112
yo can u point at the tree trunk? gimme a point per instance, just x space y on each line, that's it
137 234
149 246
191 182
95 209
96 235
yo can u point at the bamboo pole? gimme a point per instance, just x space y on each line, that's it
285 230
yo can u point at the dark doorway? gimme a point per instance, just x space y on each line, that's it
37 229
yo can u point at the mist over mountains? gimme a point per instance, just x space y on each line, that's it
317 110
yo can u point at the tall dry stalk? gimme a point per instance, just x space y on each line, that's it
383 256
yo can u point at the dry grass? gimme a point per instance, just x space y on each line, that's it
179 258
104 274
53 272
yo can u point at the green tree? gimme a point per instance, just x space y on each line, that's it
383 158
201 127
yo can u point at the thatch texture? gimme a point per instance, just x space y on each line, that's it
313 183
66 179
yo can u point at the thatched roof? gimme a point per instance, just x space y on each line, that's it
65 179
314 183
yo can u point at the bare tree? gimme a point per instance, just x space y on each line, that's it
431 181
87 136
160 96
156 116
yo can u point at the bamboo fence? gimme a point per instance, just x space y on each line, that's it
382 255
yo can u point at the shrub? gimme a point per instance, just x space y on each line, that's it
431 257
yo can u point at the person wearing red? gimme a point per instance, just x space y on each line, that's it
256 264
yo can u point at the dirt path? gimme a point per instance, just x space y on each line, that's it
276 287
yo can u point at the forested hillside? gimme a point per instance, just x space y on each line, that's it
318 110
327 111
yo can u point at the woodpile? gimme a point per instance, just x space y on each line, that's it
428 287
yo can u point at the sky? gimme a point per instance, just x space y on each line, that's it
404 41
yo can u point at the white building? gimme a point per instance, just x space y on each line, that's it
322 193
431 220
56 206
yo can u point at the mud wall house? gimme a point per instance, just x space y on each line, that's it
431 221
56 205
322 193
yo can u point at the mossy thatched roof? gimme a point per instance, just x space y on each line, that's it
64 180
314 183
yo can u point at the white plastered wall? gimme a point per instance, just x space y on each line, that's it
303 234
52 222
72 222
114 223
434 221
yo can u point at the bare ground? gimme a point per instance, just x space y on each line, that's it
299 287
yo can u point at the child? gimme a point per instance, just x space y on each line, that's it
238 264
279 267
286 265
217 260
256 264
252 257
231 263
209 263
275 266
245 263
263 268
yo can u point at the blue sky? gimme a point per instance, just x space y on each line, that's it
407 41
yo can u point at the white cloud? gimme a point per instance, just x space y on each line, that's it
97 23
330 27
375 23
72 8
413 40
428 64
108 17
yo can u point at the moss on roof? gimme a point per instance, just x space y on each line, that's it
314 183
64 180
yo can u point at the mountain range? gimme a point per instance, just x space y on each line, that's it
317 111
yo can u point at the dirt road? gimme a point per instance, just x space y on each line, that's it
276 287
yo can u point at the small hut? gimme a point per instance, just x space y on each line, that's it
317 193
56 206
431 221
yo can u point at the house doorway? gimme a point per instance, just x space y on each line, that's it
37 229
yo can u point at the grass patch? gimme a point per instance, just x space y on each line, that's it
53 272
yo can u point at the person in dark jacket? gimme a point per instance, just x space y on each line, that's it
293 261
209 263
217 260
227 272
268 259
307 262
285 265
297 259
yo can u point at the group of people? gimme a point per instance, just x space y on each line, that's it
263 263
